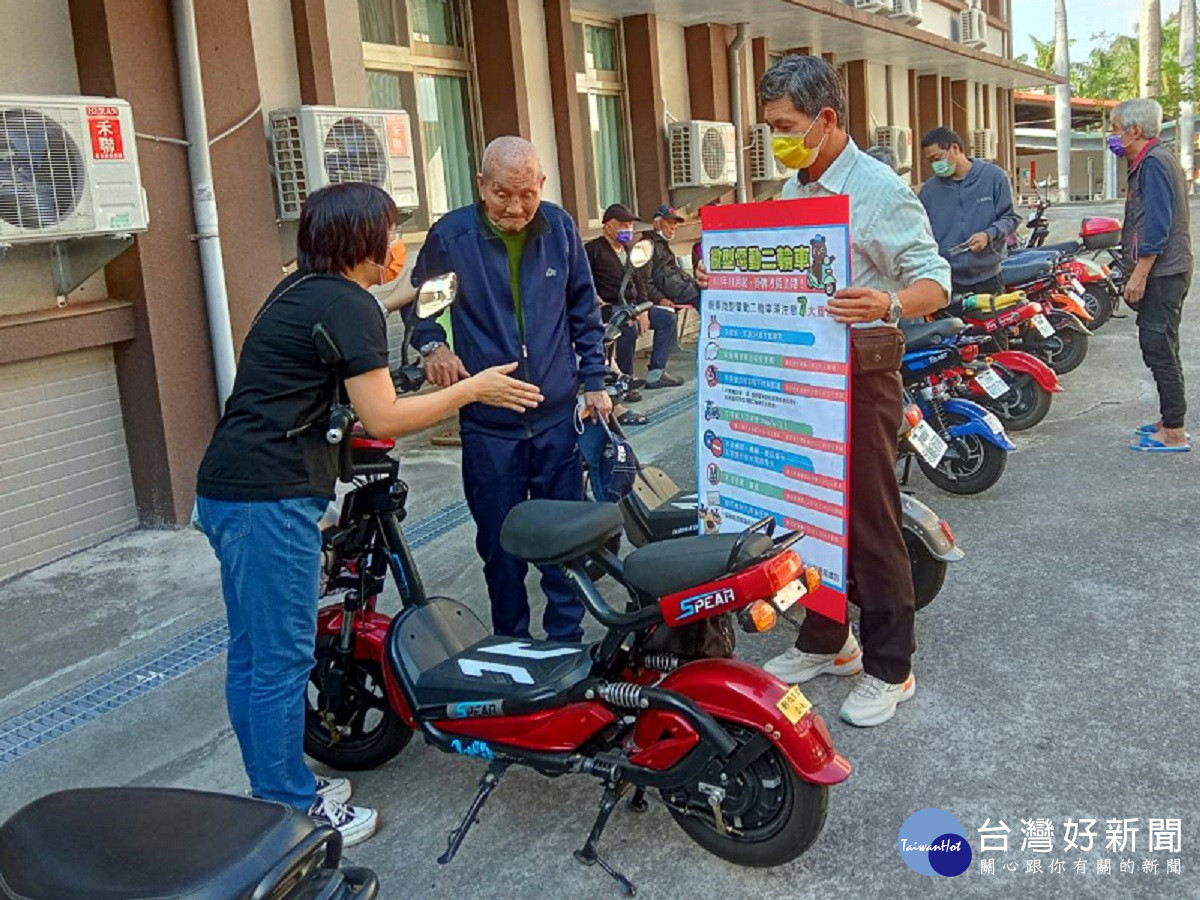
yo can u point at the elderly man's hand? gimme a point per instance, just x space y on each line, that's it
1135 288
444 368
701 276
599 402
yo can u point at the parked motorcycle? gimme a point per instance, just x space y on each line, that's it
1062 339
972 448
142 843
740 759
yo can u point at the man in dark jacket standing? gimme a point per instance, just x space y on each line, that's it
525 294
668 282
1157 239
970 207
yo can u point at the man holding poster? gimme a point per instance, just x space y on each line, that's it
896 272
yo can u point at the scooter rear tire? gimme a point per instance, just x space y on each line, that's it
1024 406
793 822
354 748
957 477
928 572
1098 302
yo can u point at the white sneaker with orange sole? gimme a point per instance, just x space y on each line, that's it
873 702
796 667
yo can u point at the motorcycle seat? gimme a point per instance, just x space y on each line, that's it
136 843
546 532
667 567
448 657
1071 247
919 335
1021 271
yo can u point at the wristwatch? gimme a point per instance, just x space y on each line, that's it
426 349
895 311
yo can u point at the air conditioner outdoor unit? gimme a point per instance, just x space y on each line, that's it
908 11
763 164
703 154
899 139
873 5
314 146
973 27
68 169
983 143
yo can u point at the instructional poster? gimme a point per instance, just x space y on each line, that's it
774 435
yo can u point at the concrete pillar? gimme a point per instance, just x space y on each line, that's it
568 130
858 103
503 98
314 64
645 111
708 71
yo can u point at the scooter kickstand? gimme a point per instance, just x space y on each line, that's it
588 855
638 802
487 784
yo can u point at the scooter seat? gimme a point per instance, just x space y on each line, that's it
545 532
671 566
919 335
444 652
1023 271
1071 247
140 843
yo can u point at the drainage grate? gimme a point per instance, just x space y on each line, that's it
48 721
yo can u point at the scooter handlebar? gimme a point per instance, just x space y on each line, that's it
341 420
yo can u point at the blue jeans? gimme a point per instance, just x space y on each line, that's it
270 553
662 323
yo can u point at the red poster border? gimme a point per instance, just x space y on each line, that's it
834 209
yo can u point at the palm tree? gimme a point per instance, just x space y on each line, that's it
1187 84
1150 48
1062 101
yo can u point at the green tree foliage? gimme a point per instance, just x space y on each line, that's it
1110 71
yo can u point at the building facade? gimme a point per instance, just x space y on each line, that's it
109 390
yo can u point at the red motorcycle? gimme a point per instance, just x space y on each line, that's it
740 759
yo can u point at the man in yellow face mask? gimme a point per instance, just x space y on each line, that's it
897 273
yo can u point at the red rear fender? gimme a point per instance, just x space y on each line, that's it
1019 361
738 692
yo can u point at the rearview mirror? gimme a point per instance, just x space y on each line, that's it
640 254
436 295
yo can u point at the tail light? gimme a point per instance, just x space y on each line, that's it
913 415
969 352
945 526
783 570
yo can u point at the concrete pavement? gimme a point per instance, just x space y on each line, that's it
1054 681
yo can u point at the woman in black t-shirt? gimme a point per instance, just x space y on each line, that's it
269 473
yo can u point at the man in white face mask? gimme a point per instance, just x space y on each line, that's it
897 273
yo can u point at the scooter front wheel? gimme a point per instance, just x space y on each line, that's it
928 572
359 732
1098 302
1025 404
974 466
771 815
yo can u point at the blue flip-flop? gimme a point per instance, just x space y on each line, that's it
1149 445
1150 429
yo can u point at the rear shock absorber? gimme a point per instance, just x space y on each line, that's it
660 662
623 694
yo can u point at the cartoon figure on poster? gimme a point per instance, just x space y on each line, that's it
774 402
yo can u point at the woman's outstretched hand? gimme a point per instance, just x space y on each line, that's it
494 387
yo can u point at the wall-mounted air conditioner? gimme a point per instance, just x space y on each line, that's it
899 139
873 5
313 146
983 143
68 169
763 164
703 154
907 11
973 27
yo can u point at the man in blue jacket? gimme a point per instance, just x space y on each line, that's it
526 294
970 206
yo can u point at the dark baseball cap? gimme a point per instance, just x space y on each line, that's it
668 212
620 213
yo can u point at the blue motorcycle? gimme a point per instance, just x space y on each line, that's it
960 446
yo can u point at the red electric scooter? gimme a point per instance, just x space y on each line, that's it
740 759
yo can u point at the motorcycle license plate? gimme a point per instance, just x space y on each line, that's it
994 423
928 443
786 598
794 705
992 383
1042 324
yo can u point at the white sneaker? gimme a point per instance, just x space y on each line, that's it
873 702
356 823
336 789
796 667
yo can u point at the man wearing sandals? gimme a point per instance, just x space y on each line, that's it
525 293
1156 238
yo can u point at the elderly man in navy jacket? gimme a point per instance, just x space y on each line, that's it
525 294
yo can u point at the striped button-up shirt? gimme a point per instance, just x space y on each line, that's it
891 244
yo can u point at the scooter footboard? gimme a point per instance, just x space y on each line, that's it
738 692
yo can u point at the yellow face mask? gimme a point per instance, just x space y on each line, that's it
791 150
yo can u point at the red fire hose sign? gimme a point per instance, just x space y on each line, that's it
104 125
